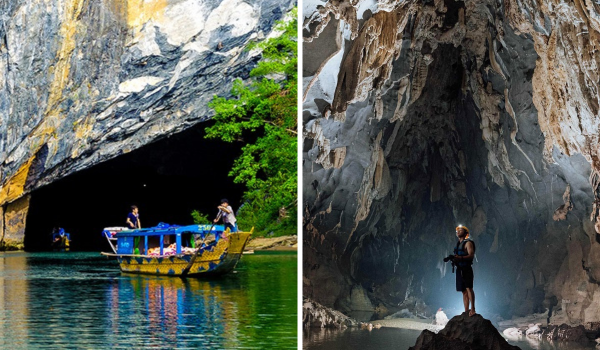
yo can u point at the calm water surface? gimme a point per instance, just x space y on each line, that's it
401 339
82 301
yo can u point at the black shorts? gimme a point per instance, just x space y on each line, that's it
464 278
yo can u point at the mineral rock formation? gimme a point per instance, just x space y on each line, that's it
440 318
464 332
422 115
316 315
84 81
567 333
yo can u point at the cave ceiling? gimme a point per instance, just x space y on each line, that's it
422 115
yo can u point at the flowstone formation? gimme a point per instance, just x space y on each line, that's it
84 81
422 115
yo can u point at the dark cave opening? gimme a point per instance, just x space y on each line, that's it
166 179
439 153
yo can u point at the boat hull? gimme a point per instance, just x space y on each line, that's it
216 259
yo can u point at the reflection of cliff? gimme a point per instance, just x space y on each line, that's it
12 291
423 115
84 81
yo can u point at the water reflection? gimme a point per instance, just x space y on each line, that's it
355 338
80 300
11 291
173 307
533 343
397 338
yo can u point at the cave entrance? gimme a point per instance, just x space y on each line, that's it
166 179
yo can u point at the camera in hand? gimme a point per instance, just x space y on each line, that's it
449 258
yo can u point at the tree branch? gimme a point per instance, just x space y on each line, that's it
269 122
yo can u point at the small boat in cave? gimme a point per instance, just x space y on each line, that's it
150 250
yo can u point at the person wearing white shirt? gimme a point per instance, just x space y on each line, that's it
226 213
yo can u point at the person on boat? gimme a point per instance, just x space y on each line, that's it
55 236
226 213
60 239
133 222
463 259
133 218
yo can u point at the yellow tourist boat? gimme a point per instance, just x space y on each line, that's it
147 251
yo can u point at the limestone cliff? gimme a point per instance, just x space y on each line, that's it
422 115
84 81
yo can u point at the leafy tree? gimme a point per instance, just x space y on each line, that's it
265 110
200 218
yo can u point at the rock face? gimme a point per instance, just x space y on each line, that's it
422 115
84 81
464 332
264 243
316 315
567 333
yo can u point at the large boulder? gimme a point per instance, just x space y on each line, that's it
464 333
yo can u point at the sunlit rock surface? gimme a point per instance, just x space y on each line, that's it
84 81
422 115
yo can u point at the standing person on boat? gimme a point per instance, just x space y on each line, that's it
133 218
133 222
226 213
464 254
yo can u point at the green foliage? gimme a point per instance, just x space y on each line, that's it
265 109
200 218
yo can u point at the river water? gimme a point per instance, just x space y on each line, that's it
82 301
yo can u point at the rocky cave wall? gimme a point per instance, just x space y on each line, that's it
422 115
84 81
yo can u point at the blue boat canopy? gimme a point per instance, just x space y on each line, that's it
128 240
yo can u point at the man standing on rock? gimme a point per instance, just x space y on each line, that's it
463 259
